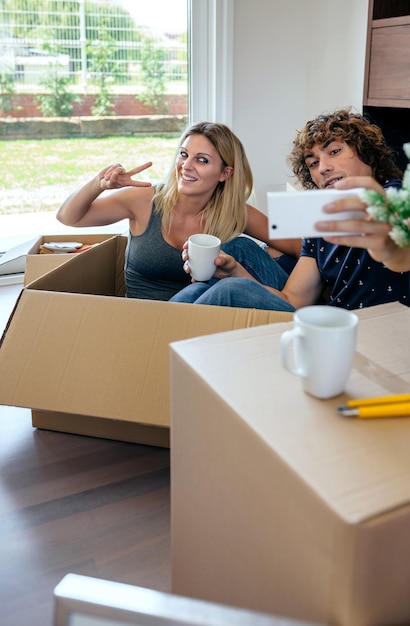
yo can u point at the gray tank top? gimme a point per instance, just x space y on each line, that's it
153 268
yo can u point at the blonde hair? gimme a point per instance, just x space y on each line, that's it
225 215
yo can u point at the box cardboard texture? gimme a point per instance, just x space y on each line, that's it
87 360
278 503
37 264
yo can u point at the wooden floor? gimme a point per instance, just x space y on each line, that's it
75 504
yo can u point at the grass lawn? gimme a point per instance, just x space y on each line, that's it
39 174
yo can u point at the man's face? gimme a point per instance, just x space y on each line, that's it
332 161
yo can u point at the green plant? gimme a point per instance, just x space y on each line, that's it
7 90
59 101
393 207
103 70
153 76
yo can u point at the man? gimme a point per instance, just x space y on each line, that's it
341 150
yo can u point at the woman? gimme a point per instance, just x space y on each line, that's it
206 191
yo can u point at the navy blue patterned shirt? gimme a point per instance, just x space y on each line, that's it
354 280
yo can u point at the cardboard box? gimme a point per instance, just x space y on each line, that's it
26 258
37 264
278 503
87 360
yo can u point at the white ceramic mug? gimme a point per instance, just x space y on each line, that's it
320 348
202 251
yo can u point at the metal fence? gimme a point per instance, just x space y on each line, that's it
83 41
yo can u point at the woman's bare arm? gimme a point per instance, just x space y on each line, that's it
85 207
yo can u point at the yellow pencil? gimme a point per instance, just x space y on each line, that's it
401 397
392 409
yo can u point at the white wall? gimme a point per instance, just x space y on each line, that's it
292 60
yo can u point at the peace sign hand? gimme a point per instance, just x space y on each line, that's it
115 176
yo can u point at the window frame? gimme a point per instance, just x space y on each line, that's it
210 60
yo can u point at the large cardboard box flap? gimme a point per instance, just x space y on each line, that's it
75 345
278 502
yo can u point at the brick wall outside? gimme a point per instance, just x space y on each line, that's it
24 105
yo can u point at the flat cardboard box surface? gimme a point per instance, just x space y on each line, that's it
36 264
278 503
75 346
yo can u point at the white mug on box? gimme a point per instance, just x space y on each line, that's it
320 348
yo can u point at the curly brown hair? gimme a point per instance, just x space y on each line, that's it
355 130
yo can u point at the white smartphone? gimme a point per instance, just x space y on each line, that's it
293 214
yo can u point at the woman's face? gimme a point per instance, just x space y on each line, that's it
199 167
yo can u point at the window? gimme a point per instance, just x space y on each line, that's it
206 69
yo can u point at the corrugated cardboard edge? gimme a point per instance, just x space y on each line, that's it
88 425
10 319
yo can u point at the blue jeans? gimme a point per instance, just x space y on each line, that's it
256 261
242 292
237 292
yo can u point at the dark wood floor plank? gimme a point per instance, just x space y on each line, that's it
90 499
76 504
